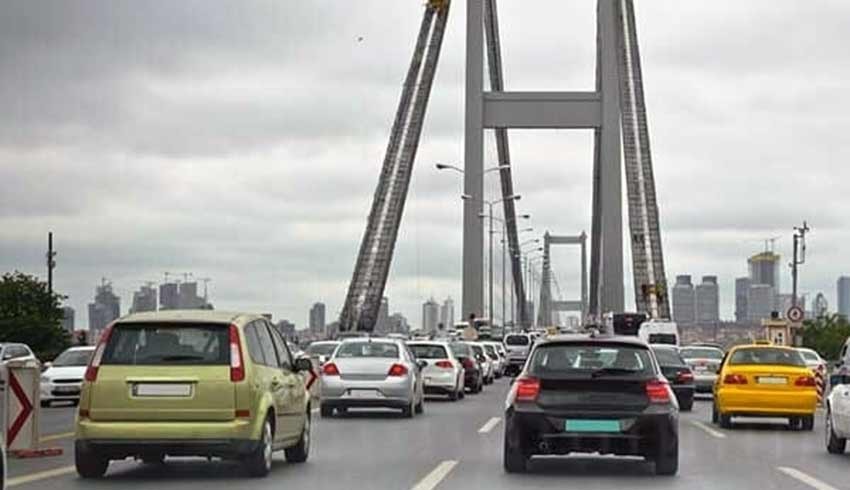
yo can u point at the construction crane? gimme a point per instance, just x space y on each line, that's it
371 269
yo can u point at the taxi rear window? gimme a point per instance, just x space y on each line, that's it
164 344
766 356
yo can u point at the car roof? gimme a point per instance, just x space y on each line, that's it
428 342
761 346
323 342
663 347
600 339
177 316
351 340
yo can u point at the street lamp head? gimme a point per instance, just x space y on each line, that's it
515 197
525 216
466 197
482 215
442 166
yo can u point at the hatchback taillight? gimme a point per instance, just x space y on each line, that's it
397 370
527 389
97 357
444 364
468 364
805 381
237 367
330 369
658 391
734 379
685 377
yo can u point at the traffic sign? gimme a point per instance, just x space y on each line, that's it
795 314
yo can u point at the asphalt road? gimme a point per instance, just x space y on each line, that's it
459 446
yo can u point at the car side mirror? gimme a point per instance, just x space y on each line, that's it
839 364
422 364
303 364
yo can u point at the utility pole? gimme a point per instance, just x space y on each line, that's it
490 306
50 262
799 257
504 239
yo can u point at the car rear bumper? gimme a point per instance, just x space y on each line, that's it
766 403
336 388
398 403
704 383
123 448
139 432
684 392
641 434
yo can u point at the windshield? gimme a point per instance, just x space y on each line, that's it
517 340
367 349
668 357
321 349
73 358
701 353
766 356
424 351
578 359
168 344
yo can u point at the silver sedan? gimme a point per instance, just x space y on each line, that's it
372 373
444 374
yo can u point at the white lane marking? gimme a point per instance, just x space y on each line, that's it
56 437
41 475
708 430
804 478
489 425
434 478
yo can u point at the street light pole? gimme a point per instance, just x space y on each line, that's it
504 239
490 305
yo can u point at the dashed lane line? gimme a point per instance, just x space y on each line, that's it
434 478
804 478
708 430
490 425
55 437
41 475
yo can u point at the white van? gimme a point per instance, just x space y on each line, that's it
659 332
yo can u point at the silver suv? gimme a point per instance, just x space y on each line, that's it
518 346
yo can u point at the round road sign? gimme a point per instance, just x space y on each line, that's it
795 314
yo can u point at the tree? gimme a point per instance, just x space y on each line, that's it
30 314
826 335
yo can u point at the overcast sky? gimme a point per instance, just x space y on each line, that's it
242 141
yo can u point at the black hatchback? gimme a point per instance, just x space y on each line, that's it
585 394
678 374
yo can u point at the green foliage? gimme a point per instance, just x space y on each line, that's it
826 335
31 315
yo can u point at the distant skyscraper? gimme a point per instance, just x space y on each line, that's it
144 300
761 302
684 301
764 269
169 296
708 301
68 314
430 316
106 307
398 324
317 319
844 296
286 328
447 313
742 293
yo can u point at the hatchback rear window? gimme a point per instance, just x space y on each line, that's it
701 353
368 349
321 349
424 351
460 350
164 344
668 357
767 355
591 360
517 340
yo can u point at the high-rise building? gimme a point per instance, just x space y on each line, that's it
447 313
169 296
398 324
684 301
105 308
68 315
286 329
708 301
317 319
144 300
764 269
742 293
844 296
382 323
761 302
430 316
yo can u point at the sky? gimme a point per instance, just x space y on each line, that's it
242 141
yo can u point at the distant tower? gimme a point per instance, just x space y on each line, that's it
684 301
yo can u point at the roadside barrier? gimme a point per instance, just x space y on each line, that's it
820 382
20 406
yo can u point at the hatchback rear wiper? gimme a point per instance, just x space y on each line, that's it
612 370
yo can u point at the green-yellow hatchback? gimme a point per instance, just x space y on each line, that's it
192 383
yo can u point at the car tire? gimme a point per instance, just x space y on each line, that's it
715 416
462 393
409 411
725 420
301 451
420 407
687 404
89 464
834 444
45 403
794 423
259 462
513 459
667 460
808 423
326 411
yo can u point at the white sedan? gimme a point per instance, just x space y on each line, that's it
64 376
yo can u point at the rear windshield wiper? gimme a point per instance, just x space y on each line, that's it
612 370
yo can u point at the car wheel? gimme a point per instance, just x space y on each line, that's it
834 444
420 407
462 393
455 394
808 422
326 411
408 411
794 423
299 452
45 403
89 464
667 460
715 417
725 421
513 458
259 462
687 404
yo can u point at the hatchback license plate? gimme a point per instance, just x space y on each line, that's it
162 389
364 394
771 380
592 425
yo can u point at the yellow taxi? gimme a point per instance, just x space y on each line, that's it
762 380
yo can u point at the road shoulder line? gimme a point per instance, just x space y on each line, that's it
708 430
804 478
41 475
434 478
489 425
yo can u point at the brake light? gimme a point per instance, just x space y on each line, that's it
527 389
237 367
97 357
685 377
397 370
735 379
805 381
444 364
330 369
658 391
467 363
